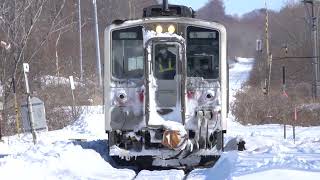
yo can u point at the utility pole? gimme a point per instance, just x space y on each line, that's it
315 52
80 41
97 42
316 63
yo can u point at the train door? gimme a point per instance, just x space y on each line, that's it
165 87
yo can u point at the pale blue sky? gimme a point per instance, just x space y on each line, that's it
234 6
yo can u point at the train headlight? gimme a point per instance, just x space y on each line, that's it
171 29
159 29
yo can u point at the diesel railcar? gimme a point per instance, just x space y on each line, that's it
166 88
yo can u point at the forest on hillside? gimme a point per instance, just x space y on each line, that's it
290 49
45 34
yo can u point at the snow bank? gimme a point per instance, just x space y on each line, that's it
244 60
90 124
220 171
55 156
280 174
268 155
59 160
161 175
239 73
54 80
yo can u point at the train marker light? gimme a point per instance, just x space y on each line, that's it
159 29
141 96
171 29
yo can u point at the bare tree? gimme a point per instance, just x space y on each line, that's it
24 25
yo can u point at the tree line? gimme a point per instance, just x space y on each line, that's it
291 47
45 34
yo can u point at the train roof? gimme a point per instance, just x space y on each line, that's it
174 10
186 20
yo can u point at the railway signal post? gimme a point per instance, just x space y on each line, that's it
29 104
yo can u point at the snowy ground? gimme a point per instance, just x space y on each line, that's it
57 156
268 155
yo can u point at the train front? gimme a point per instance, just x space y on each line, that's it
166 91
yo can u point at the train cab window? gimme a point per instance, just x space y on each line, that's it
127 53
202 53
165 61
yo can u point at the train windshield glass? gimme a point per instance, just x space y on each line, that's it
165 61
202 53
127 53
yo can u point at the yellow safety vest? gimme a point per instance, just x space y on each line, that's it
170 68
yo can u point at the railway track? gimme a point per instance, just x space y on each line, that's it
246 163
221 170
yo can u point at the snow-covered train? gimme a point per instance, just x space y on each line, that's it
166 88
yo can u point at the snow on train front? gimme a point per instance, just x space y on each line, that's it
166 90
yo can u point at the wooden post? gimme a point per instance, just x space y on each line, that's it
1 114
284 93
284 79
0 125
294 124
284 131
72 86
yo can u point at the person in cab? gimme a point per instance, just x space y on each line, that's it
165 63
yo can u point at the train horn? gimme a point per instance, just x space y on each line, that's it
165 6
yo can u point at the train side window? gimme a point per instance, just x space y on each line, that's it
127 53
202 53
